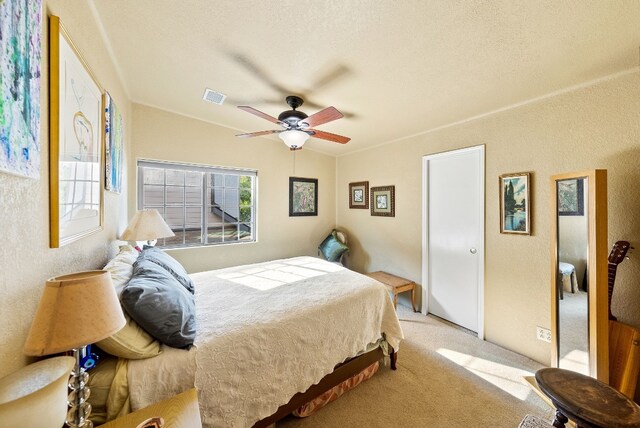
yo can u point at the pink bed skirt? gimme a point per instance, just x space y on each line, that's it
322 400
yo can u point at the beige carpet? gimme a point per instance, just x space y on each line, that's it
574 332
446 377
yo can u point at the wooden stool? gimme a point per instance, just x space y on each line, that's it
397 285
586 401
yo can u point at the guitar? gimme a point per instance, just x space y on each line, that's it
624 340
617 256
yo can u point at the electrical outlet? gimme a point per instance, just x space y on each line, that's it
543 334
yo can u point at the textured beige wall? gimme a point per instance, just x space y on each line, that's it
592 127
26 260
166 136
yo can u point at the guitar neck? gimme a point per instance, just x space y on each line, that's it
617 255
611 280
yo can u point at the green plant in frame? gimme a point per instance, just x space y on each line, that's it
303 196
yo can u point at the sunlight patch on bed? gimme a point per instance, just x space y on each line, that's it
325 267
302 272
507 378
257 282
277 274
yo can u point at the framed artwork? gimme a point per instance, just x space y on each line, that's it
303 196
571 197
20 42
515 203
76 135
383 201
114 137
359 195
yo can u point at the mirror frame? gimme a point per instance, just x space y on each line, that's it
596 271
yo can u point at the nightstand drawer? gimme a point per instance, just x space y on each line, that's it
180 411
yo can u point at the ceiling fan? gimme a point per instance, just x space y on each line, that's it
297 125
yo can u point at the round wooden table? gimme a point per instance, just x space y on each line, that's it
586 401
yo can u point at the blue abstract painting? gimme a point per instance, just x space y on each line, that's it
20 46
114 146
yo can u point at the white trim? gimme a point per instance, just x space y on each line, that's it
189 166
502 109
425 230
109 46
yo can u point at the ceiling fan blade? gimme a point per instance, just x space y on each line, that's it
323 116
260 114
329 136
257 134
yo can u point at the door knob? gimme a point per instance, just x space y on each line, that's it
473 250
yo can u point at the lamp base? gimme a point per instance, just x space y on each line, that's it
79 407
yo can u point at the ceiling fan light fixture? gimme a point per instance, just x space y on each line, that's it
293 138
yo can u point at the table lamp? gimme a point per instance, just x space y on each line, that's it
147 225
75 310
35 395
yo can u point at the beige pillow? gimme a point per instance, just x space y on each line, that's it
132 341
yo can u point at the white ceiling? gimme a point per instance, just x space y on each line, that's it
394 67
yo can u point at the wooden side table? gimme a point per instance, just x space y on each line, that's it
179 411
396 285
586 401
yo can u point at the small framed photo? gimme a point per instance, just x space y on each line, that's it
359 195
515 203
303 196
571 197
383 201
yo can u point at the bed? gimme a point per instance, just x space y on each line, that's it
270 337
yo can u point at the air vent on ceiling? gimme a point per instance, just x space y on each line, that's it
213 96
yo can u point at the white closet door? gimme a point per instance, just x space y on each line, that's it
455 235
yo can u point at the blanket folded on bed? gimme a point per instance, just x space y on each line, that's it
268 331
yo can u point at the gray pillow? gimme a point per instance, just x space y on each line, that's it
172 266
160 304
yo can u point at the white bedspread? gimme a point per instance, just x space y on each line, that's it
267 331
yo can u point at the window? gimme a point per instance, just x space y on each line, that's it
203 205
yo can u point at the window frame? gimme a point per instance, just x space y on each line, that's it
208 171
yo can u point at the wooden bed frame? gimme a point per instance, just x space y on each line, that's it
343 372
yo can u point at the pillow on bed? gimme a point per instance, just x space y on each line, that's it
332 248
170 264
131 341
121 266
160 304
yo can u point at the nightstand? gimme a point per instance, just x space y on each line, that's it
179 411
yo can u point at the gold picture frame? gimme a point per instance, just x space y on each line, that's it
515 203
76 134
359 195
383 201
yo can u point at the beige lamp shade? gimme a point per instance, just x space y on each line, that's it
75 310
146 225
36 395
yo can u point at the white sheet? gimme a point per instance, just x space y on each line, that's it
259 330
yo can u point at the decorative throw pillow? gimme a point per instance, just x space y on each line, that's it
131 341
170 264
160 304
332 248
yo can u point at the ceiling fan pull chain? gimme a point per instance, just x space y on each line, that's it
294 162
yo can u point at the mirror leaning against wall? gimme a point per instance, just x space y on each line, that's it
579 304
